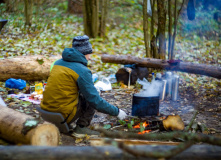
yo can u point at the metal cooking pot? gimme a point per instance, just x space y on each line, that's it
145 106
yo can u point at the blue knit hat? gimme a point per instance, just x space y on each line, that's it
82 44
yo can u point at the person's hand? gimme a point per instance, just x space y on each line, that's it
122 115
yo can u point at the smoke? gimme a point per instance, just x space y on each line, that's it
150 89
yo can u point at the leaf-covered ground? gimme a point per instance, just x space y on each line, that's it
53 30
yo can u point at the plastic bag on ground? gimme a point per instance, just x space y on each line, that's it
103 85
2 103
15 83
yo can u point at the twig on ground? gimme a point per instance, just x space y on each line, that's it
192 120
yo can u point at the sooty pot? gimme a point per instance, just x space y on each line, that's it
145 106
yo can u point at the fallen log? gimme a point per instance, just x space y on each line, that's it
26 67
105 141
195 152
19 128
202 69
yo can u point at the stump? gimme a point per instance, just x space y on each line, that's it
12 129
122 75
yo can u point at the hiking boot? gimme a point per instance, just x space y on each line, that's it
85 130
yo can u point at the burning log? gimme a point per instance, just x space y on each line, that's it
20 128
202 69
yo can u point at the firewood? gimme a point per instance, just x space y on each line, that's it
202 69
20 128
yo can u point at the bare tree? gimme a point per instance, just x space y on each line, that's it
95 14
28 12
176 17
146 28
161 9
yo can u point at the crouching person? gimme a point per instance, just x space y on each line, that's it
70 89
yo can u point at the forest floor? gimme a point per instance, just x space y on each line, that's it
189 101
209 110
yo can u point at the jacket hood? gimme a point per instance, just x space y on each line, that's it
73 55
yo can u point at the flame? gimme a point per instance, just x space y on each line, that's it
138 125
145 131
145 124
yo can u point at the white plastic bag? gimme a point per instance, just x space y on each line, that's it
103 85
2 103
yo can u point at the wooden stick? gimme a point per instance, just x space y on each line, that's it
191 122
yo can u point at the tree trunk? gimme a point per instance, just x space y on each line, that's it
161 27
152 19
103 17
154 51
26 67
91 17
174 27
75 6
202 69
28 12
145 28
13 129
176 16
169 29
196 152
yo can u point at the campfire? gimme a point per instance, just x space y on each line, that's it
150 124
142 125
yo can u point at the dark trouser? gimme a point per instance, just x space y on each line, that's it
84 112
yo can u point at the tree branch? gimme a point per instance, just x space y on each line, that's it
163 136
156 154
192 120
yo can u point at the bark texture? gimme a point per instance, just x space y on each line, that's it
28 12
91 17
196 152
13 129
26 67
202 69
146 28
161 27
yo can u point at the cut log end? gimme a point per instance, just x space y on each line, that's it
45 135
